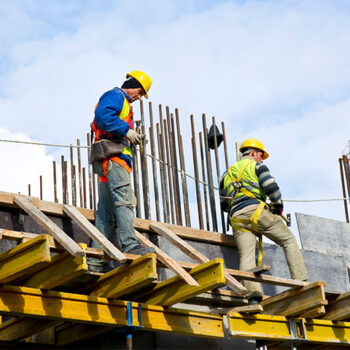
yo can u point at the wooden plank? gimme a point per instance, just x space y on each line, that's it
339 309
195 254
314 313
51 208
63 239
209 275
188 233
17 236
98 253
24 259
127 278
94 233
7 199
296 301
259 269
167 261
248 309
210 298
24 301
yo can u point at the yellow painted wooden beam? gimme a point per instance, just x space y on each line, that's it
209 275
24 259
296 301
339 309
127 278
24 301
278 328
63 268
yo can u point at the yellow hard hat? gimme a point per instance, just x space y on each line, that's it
254 143
143 79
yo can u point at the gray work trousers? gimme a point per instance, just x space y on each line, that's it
273 227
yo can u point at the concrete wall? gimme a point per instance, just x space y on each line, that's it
320 267
324 235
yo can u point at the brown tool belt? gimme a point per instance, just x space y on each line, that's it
105 148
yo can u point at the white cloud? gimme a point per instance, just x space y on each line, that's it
23 164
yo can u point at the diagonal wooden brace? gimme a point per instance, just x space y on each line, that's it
168 261
94 233
62 238
195 255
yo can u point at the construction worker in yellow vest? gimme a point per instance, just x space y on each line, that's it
243 191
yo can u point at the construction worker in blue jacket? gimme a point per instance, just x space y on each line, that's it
111 158
243 190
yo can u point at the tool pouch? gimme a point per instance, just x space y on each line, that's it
103 149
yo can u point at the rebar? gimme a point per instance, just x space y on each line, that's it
196 175
210 175
154 165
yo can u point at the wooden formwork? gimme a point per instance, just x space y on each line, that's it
46 286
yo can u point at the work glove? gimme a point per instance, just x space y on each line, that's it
133 136
277 208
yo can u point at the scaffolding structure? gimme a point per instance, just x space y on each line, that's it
48 295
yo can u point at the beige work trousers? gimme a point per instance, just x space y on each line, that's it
273 227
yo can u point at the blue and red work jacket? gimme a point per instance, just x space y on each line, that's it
113 117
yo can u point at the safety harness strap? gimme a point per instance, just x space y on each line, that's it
255 217
116 160
254 221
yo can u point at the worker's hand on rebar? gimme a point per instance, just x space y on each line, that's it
277 208
134 137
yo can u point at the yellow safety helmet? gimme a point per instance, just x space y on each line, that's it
254 143
143 79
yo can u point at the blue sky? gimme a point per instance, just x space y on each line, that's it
274 70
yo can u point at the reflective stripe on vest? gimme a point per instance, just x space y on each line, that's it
247 185
126 115
242 173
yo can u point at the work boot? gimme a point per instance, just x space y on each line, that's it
95 264
110 265
254 298
95 268
138 250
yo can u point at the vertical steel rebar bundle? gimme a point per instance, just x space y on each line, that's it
345 181
172 171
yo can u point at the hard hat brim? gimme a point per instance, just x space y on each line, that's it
142 84
265 156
